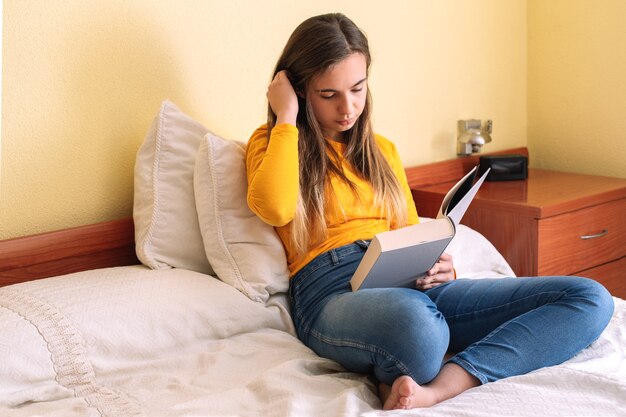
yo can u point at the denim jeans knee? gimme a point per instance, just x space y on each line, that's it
384 332
524 324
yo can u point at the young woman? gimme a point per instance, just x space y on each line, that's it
327 183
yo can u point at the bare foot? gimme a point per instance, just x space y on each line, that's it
406 394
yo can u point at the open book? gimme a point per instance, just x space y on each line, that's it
398 257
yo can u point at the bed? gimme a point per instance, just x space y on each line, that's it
182 311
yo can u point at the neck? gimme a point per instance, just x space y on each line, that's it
337 137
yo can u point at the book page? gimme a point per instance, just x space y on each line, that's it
461 188
415 234
458 199
456 214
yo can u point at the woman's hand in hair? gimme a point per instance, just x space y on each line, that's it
283 99
442 272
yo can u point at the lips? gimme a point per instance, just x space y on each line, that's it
345 122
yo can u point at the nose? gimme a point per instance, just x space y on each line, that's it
345 106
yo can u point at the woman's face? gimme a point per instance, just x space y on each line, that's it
338 95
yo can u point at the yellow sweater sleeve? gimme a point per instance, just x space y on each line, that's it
273 174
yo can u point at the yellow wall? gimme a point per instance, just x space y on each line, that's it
577 85
82 81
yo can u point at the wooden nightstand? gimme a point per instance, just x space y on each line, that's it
552 223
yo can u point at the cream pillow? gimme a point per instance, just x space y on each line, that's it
244 251
167 233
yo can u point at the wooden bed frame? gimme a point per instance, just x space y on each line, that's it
76 249
111 243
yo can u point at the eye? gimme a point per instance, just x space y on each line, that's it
327 96
357 90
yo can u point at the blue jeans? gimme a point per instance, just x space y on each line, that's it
497 327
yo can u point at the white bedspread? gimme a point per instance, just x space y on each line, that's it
137 342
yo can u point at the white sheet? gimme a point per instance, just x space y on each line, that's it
136 342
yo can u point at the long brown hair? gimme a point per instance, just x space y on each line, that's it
317 44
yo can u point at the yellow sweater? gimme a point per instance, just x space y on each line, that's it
272 169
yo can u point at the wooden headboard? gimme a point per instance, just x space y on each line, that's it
77 249
112 243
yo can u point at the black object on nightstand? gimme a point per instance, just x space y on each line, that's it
504 167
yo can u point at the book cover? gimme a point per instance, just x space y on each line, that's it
398 257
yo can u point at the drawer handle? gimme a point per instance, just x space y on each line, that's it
604 232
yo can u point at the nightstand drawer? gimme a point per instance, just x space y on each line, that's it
610 275
575 241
